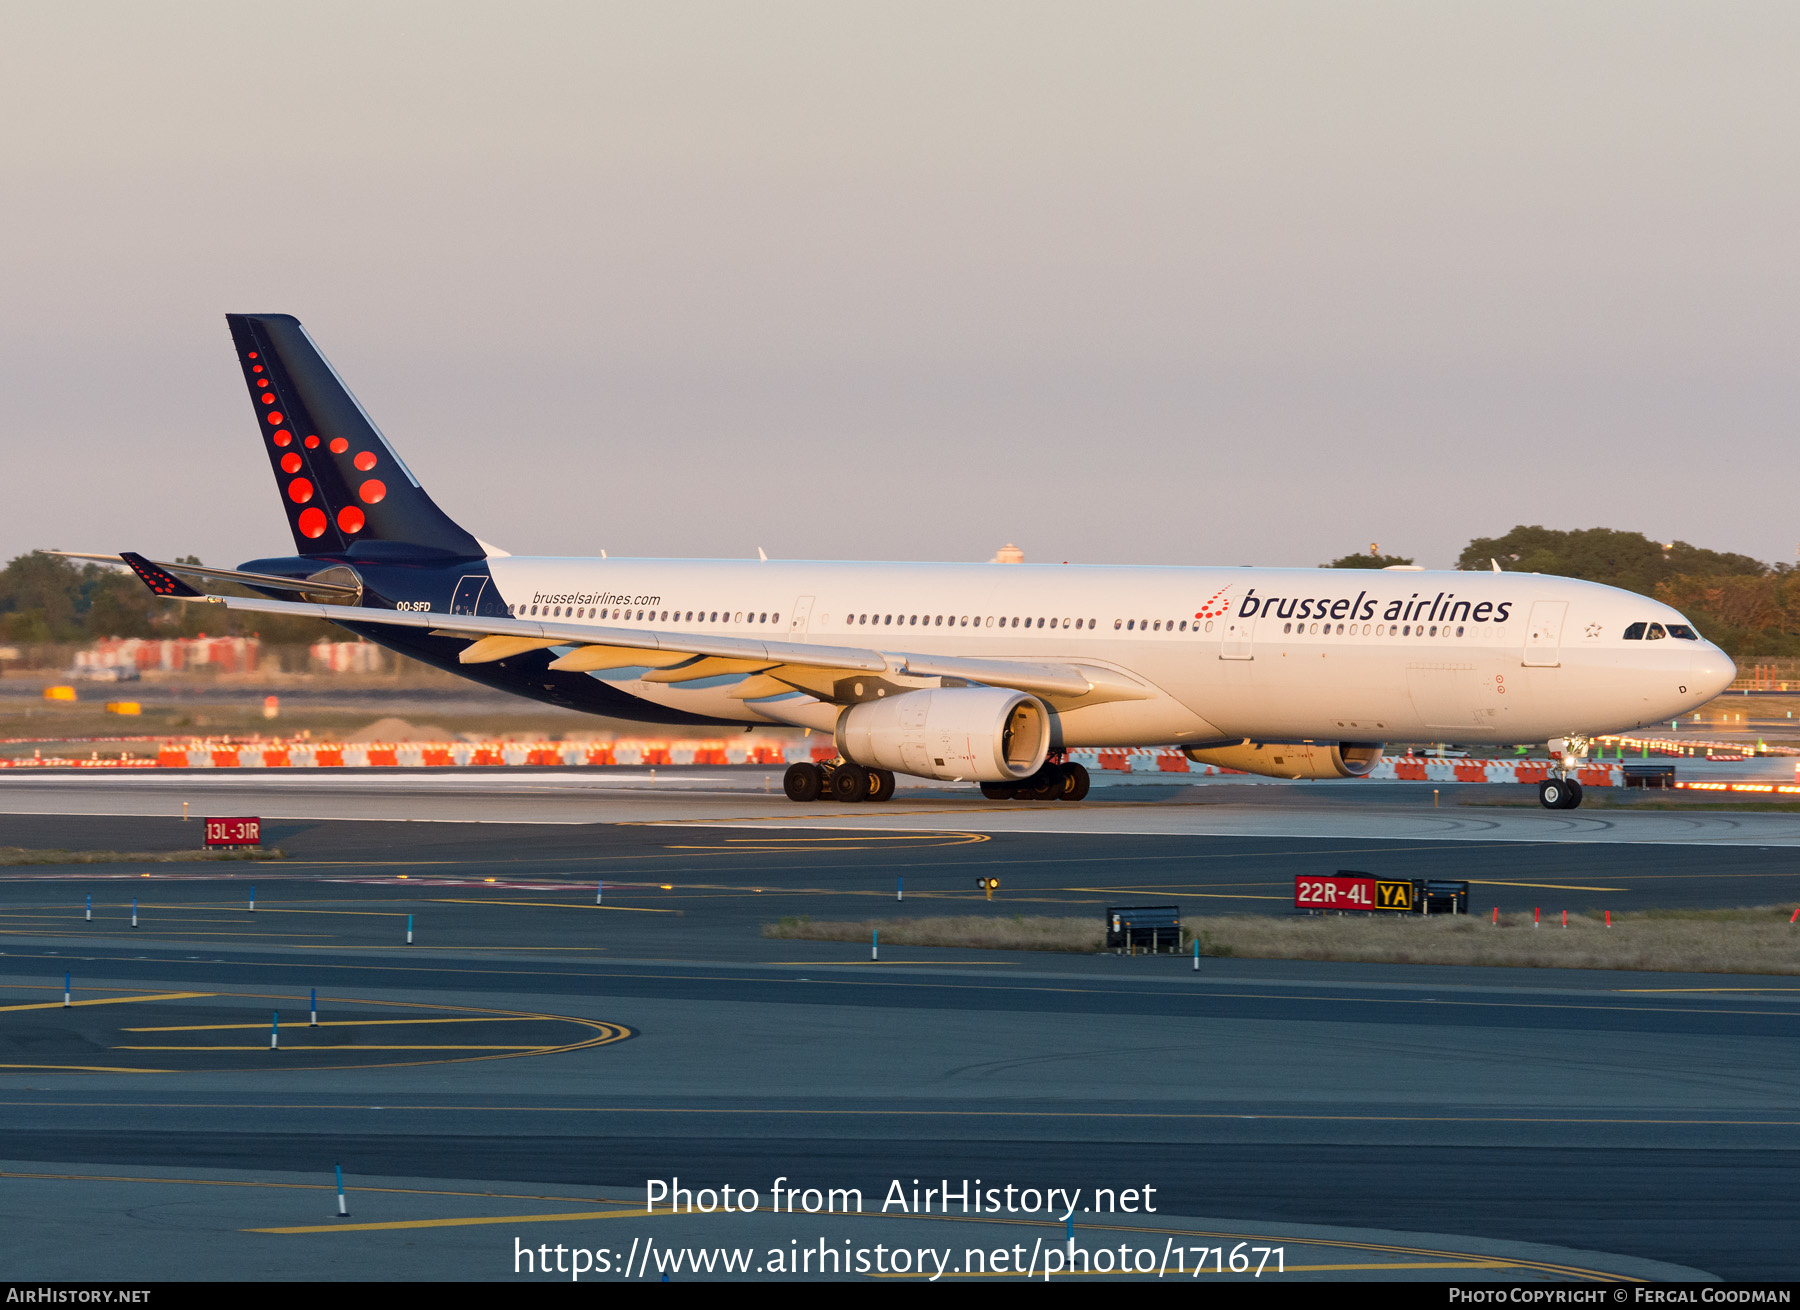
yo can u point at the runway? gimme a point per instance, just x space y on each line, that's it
1375 1121
752 796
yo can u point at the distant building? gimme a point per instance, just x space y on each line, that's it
1008 554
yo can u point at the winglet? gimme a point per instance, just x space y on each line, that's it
159 580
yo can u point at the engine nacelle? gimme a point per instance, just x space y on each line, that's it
983 734
1293 759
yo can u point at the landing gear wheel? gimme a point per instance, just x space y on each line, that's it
803 782
881 785
1000 791
1559 793
1044 785
1075 783
849 782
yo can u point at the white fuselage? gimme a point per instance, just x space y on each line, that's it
1267 654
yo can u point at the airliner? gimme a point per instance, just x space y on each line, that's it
985 673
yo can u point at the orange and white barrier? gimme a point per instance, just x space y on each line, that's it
464 754
1390 768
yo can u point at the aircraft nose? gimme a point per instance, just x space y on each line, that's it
1711 671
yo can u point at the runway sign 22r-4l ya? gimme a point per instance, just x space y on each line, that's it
1345 890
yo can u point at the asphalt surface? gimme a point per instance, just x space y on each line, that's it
533 1043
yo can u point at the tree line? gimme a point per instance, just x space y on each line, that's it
1746 606
45 599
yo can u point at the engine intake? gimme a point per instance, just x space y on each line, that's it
1293 759
983 734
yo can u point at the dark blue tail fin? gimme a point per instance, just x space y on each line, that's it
340 481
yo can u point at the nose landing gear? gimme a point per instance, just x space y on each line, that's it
1559 793
1561 790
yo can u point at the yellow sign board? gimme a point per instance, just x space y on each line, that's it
1393 895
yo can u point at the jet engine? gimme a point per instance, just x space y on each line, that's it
982 734
1292 759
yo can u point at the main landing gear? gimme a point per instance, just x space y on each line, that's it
842 781
1053 782
852 783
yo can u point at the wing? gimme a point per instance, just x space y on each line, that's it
836 674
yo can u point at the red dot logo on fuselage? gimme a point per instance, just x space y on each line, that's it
1216 605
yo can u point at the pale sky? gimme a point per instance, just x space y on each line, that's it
1122 283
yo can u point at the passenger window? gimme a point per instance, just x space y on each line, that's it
1158 627
1287 627
1130 625
1117 624
1656 633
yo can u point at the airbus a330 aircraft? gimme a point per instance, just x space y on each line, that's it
988 673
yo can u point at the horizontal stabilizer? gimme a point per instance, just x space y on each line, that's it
270 580
157 578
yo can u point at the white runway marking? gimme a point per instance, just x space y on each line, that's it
736 799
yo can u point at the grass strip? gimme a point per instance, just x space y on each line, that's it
13 855
1751 940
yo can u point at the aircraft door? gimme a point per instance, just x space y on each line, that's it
802 614
468 594
1237 643
1543 634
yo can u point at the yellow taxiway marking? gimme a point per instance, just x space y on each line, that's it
1546 886
146 932
844 964
339 1050
329 1023
827 844
81 1068
964 837
1199 896
939 985
636 1212
549 905
292 1187
110 1000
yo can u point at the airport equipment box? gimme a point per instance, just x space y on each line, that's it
1143 927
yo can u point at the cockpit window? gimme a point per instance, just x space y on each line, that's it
1635 632
1683 631
1656 633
